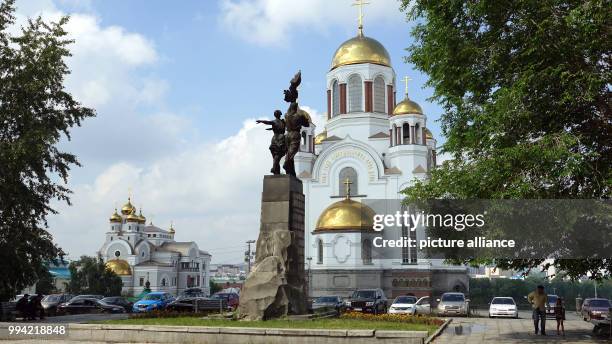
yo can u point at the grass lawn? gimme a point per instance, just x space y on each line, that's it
309 324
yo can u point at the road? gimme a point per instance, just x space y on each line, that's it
79 318
480 330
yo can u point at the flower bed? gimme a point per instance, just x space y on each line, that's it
401 318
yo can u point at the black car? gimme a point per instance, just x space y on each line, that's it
50 302
118 301
188 304
89 305
193 292
87 296
328 303
368 300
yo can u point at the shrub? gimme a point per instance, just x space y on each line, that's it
401 318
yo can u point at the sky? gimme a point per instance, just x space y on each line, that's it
177 86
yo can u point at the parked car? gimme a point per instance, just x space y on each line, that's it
97 297
193 292
118 301
550 305
232 299
423 306
503 307
50 302
153 301
403 305
595 309
89 305
368 300
329 302
196 303
453 304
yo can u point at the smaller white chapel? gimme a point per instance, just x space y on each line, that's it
141 253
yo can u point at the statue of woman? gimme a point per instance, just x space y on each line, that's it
278 147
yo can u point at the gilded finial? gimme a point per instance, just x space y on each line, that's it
406 79
172 227
348 183
360 4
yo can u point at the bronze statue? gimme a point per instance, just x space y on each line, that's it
294 120
278 147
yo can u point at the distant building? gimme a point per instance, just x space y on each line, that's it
141 253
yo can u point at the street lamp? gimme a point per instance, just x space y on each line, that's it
309 259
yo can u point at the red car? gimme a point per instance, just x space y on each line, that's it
232 299
595 309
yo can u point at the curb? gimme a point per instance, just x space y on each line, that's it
438 331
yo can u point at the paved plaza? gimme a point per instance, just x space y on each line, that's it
477 330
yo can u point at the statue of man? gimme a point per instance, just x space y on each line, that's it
278 146
295 119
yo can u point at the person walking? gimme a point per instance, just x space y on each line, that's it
538 300
560 315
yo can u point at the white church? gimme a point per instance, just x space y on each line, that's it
141 253
377 146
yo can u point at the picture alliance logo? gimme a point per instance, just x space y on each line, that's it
412 221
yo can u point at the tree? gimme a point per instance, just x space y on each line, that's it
89 275
214 287
45 285
525 89
35 114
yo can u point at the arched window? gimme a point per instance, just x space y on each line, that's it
335 98
350 174
163 282
319 251
355 90
379 94
303 137
366 251
406 134
416 134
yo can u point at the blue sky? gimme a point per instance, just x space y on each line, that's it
176 86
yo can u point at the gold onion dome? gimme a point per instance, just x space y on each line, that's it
128 208
141 218
115 217
119 266
172 231
428 134
361 49
346 215
133 217
320 137
407 106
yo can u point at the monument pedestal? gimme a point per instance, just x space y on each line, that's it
276 286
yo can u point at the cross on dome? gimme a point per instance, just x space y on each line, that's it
360 4
348 183
406 79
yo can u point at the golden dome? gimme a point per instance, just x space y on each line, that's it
127 208
361 49
119 266
320 137
407 106
346 215
428 134
171 228
141 218
133 217
115 217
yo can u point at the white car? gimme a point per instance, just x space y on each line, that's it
403 305
423 306
503 307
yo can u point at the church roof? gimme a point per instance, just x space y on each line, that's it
379 135
332 138
180 247
153 263
151 228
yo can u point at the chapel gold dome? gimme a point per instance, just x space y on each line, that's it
346 215
320 137
127 208
133 217
407 106
361 49
115 217
119 266
428 134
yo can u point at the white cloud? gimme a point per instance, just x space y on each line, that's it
211 191
272 22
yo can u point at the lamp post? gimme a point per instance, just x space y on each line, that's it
247 255
309 259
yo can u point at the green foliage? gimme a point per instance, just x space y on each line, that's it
214 287
45 285
35 114
525 88
482 290
89 275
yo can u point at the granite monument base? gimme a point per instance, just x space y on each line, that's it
276 286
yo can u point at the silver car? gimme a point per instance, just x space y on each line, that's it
452 304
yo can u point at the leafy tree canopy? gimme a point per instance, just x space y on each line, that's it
525 86
36 112
89 275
